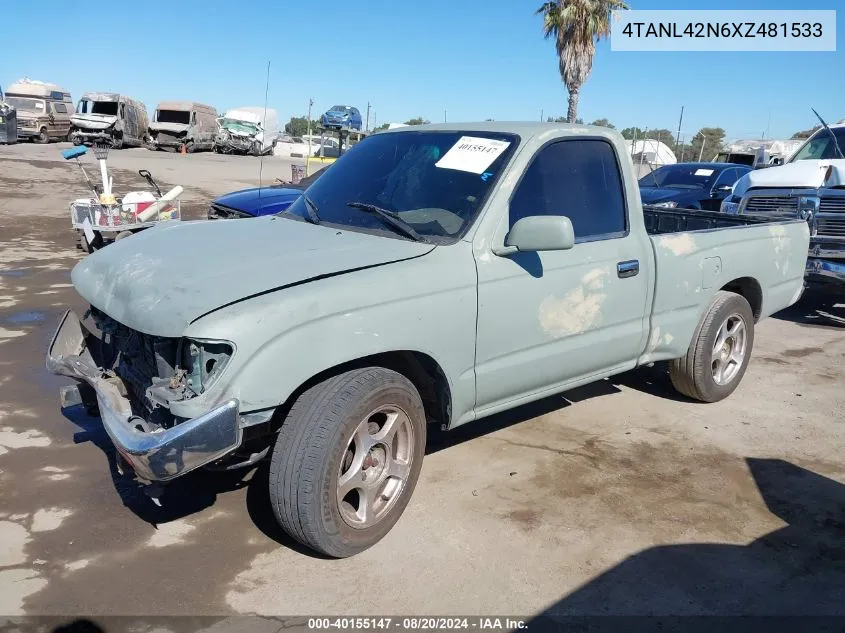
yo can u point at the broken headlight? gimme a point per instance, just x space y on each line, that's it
203 361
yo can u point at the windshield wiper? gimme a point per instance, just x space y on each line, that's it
311 208
390 218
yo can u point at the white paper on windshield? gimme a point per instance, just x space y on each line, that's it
472 154
703 172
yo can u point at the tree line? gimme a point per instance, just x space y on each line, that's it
705 144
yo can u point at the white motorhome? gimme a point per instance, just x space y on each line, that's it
43 110
247 130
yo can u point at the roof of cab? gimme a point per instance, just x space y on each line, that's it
523 128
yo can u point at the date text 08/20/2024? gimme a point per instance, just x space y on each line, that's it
418 623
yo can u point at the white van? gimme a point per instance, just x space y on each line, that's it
247 130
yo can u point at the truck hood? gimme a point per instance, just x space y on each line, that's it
801 173
93 121
162 279
260 201
169 127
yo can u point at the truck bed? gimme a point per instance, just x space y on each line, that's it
697 253
659 220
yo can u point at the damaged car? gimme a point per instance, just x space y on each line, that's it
109 117
187 124
256 202
433 276
247 130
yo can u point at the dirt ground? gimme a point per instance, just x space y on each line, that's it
619 498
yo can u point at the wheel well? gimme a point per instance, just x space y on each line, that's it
749 289
422 370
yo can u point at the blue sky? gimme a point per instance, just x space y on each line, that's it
476 58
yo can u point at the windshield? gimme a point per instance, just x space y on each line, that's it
22 103
109 108
239 126
736 159
173 116
680 177
435 181
339 109
820 146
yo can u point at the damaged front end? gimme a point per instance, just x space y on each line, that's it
238 137
133 379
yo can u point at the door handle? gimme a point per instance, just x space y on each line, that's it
629 268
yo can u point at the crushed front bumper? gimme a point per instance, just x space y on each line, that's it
826 264
156 456
826 273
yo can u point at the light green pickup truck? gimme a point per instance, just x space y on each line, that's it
435 275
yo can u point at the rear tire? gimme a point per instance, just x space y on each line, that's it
710 372
347 460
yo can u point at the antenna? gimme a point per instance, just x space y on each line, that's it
261 161
680 122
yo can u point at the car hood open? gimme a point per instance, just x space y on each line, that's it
162 279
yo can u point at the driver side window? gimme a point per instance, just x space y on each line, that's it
579 179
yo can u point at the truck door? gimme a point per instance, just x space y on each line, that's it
549 318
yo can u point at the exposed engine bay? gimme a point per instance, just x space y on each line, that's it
157 370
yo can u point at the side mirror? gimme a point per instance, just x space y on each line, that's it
539 233
777 162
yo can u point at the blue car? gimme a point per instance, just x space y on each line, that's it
342 116
690 185
259 201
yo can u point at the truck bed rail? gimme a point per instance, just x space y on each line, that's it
660 220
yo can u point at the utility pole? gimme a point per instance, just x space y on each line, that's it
680 122
310 103
444 115
541 115
367 127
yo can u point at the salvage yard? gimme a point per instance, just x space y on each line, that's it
620 497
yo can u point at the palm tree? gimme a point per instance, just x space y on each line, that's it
576 26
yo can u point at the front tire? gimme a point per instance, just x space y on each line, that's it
43 138
347 460
720 350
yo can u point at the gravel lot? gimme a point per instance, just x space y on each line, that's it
617 498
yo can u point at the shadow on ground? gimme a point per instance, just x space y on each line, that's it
815 310
797 570
199 490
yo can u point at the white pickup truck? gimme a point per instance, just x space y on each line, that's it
811 186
